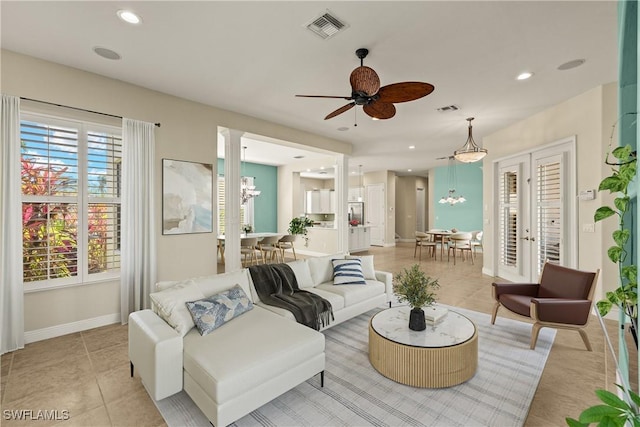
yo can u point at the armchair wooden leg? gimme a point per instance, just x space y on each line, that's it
495 312
535 330
585 338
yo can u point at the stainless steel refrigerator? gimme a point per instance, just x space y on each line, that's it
356 212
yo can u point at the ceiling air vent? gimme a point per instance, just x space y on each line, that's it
327 25
448 108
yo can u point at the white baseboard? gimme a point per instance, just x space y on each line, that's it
487 271
69 328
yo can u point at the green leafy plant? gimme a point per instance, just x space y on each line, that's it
614 413
299 225
415 287
625 295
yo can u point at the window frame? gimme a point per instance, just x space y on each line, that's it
83 200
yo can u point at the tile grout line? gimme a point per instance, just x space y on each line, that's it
95 377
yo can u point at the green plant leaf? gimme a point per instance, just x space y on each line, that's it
604 307
621 237
596 413
612 400
630 272
627 173
622 153
621 203
602 213
574 423
615 253
612 183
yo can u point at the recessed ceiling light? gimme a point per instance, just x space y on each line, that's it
343 128
106 53
129 16
375 118
321 167
409 170
524 76
412 147
308 170
571 64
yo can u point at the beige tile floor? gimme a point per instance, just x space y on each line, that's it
87 373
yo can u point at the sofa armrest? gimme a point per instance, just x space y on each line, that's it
565 311
386 278
155 351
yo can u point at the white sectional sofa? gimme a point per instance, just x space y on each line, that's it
251 359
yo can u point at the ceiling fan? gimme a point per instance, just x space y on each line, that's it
376 101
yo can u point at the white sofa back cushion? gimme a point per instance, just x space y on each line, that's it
368 269
170 305
322 268
302 272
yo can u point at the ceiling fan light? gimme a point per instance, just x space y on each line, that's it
470 152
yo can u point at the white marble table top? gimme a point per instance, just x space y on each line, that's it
393 324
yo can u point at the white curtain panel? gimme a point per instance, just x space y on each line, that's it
138 230
11 288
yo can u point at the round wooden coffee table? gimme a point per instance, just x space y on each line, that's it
443 355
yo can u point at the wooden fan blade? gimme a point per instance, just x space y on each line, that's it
340 110
325 96
380 110
364 79
405 91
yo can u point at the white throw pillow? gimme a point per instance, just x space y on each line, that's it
348 272
303 274
367 266
322 269
171 306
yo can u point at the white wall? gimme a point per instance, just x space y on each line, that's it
589 116
188 132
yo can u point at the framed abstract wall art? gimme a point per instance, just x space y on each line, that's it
187 197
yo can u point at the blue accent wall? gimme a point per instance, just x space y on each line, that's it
265 205
465 216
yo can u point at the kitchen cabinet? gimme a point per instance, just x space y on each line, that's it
359 239
320 201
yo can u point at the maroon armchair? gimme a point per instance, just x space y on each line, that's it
562 299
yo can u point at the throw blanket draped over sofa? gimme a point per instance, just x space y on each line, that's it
276 285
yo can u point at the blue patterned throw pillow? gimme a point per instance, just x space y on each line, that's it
347 272
212 312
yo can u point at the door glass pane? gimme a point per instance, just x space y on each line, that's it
549 212
508 218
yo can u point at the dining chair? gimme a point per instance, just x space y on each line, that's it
249 250
476 240
269 249
286 242
460 242
424 239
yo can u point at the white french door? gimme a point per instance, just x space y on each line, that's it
536 201
375 216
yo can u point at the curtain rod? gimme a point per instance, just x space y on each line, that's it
75 108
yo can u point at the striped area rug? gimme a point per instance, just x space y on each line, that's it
355 394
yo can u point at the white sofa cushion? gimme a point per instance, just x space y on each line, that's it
321 268
336 300
368 269
303 274
247 352
214 311
170 305
354 294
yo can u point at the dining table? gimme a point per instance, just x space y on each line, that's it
440 236
259 236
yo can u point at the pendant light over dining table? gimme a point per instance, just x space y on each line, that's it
452 198
247 189
470 152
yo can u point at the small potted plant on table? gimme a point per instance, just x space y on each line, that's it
417 289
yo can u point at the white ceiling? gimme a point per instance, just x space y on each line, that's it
253 57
